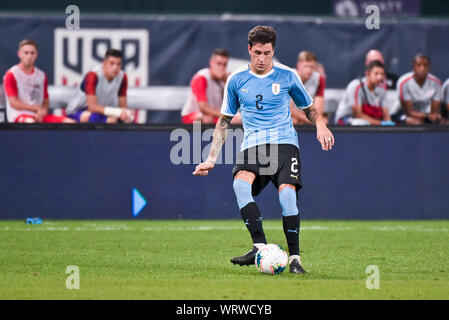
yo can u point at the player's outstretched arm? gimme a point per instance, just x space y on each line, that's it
323 134
217 143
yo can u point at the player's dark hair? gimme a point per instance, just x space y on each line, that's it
220 52
421 56
113 53
263 35
373 64
27 42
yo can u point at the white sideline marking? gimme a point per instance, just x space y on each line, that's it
402 228
122 228
95 227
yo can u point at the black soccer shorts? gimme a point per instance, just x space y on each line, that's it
279 163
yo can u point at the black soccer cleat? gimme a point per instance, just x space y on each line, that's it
295 267
246 260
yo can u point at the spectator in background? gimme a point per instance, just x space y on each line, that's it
206 91
26 89
364 102
101 96
420 94
321 70
390 78
313 81
445 103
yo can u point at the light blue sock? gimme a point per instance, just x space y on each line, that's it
242 191
287 199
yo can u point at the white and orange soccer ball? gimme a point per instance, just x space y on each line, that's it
271 259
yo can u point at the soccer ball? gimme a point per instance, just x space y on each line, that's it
271 259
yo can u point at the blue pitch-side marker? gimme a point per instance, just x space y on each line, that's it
139 202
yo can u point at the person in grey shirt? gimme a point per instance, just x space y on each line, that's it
364 102
102 95
420 93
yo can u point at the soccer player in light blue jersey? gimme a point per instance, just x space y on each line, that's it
269 152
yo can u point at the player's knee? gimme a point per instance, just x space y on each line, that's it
244 175
287 199
242 191
85 116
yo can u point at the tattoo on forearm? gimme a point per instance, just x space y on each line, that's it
219 136
312 114
225 122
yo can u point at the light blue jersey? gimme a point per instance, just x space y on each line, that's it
264 102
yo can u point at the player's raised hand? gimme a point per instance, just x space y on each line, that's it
325 137
203 168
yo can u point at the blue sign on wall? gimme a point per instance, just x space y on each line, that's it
139 202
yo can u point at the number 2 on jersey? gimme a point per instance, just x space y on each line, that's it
259 99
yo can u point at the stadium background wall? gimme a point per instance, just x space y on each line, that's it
181 45
89 173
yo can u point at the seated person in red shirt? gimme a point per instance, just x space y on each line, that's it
26 89
206 91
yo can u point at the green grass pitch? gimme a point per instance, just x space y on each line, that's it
190 260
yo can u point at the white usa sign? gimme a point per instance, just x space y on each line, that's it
78 51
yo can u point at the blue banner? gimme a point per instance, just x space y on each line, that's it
137 174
